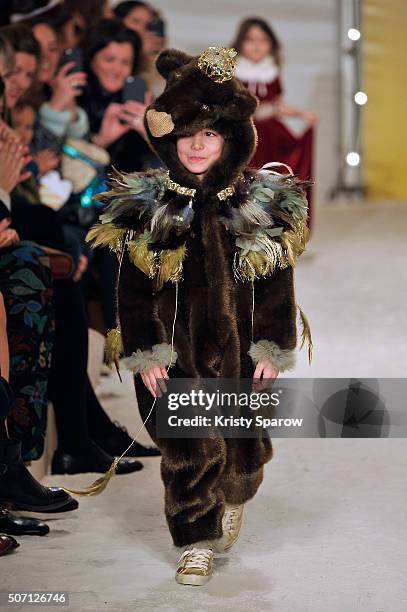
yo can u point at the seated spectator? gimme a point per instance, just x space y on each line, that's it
17 486
50 136
147 22
56 88
77 409
112 54
86 14
57 15
135 15
59 88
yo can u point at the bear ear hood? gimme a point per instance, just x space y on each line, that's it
169 60
202 92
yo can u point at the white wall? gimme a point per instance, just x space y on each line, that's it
307 30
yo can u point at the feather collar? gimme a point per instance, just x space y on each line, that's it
267 215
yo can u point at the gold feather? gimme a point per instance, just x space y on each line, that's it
106 234
260 262
113 347
98 485
294 241
171 264
141 256
306 333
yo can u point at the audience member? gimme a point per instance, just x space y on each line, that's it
112 54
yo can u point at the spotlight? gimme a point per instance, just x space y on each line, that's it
360 98
353 159
353 34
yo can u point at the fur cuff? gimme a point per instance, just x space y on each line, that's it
266 350
159 355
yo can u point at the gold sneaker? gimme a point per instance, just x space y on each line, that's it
231 524
195 566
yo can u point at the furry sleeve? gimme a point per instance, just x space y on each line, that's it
274 330
145 341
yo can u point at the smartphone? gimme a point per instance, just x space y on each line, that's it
157 26
72 55
32 167
134 89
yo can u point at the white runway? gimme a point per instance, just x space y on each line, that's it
327 529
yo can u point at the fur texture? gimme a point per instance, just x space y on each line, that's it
213 329
194 101
265 350
161 354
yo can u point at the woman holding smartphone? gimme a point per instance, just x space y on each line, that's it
111 56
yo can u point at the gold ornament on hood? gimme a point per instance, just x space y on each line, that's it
159 123
218 63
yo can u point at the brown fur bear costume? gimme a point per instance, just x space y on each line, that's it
221 243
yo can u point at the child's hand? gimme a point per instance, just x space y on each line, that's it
46 160
150 380
263 374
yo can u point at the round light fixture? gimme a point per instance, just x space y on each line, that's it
353 159
360 98
353 34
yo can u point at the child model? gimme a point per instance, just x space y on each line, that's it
200 244
259 68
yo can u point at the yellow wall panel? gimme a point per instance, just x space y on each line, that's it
385 114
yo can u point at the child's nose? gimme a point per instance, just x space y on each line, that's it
197 141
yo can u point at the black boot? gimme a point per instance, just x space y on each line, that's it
68 507
7 544
20 525
118 439
91 459
18 487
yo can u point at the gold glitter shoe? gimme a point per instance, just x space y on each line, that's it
195 566
231 524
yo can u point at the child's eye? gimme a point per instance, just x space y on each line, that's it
210 133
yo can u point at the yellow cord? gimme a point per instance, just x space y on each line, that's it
252 310
100 484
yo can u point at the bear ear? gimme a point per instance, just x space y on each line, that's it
242 105
171 59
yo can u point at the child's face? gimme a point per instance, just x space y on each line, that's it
23 121
200 151
256 44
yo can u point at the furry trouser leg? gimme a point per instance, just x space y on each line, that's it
201 475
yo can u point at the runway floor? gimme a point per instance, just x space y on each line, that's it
327 529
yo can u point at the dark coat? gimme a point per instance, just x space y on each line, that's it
213 327
267 211
213 246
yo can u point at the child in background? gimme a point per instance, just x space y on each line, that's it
53 190
23 116
259 68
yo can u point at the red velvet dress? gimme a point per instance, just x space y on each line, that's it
278 143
